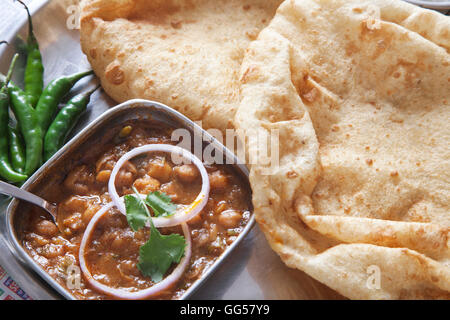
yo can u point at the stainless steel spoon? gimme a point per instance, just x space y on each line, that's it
13 191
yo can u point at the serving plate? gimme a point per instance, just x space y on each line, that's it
251 271
438 5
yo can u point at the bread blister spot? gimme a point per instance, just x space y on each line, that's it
114 74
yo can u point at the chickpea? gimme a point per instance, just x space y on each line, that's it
75 213
66 261
130 167
79 180
46 228
106 237
89 213
230 218
221 206
72 246
74 221
118 243
171 190
74 203
126 174
52 251
186 173
213 231
37 240
58 240
124 178
106 162
202 238
128 267
195 220
146 184
160 170
103 176
195 271
218 181
113 220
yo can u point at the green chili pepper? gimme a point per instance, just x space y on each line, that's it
6 170
29 127
16 149
34 70
64 122
52 95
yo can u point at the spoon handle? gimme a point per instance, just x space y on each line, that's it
13 191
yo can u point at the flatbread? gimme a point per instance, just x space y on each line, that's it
184 53
359 93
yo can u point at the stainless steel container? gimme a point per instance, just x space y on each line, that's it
47 175
432 4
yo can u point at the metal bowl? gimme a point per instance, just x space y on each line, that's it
67 157
438 5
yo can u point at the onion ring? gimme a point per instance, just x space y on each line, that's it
181 216
123 294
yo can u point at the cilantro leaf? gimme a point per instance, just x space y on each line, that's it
137 212
159 252
161 204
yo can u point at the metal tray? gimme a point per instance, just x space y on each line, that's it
438 5
252 270
97 132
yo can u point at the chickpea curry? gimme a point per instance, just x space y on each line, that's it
114 251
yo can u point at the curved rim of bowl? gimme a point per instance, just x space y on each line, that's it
431 4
